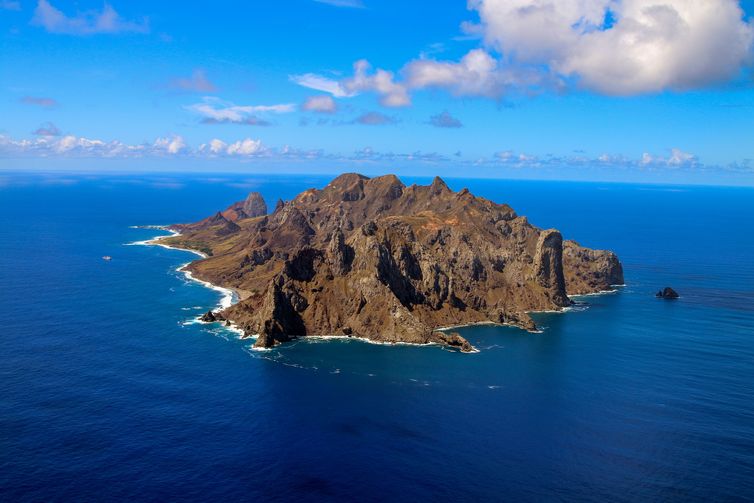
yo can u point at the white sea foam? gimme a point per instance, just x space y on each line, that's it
228 298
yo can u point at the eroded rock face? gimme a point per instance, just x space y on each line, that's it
253 206
374 258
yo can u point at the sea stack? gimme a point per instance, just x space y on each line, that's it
667 293
376 259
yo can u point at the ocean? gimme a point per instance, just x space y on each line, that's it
109 390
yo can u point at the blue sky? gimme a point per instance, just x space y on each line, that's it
492 88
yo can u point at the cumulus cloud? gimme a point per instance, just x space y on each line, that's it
39 101
677 159
374 119
382 82
47 129
172 145
79 146
216 111
244 147
612 47
476 74
84 23
622 47
445 120
321 104
196 83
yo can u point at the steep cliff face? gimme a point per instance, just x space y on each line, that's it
375 258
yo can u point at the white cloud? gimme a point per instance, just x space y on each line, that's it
613 47
381 82
217 146
321 104
622 47
249 149
320 83
244 147
681 158
86 23
476 74
677 159
214 111
173 145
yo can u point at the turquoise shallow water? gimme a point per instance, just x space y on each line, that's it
107 391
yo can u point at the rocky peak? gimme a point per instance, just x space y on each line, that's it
254 205
438 186
373 258
346 187
548 266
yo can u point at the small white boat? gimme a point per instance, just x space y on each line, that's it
107 257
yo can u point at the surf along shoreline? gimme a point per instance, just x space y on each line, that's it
232 296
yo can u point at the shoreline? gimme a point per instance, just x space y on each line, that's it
229 295
232 296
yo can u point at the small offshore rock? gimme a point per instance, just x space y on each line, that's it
667 293
454 340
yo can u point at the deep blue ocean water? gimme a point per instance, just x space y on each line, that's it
107 393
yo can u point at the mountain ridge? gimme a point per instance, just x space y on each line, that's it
374 258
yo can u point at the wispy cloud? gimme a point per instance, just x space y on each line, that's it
321 83
196 83
381 82
676 159
369 154
353 4
85 23
445 120
47 129
39 101
216 111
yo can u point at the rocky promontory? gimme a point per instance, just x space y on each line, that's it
374 258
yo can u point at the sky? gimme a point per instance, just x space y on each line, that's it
656 91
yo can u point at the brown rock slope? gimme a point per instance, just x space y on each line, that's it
374 258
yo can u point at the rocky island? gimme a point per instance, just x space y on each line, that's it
376 259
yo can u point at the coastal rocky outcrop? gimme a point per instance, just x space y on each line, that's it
667 293
374 258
